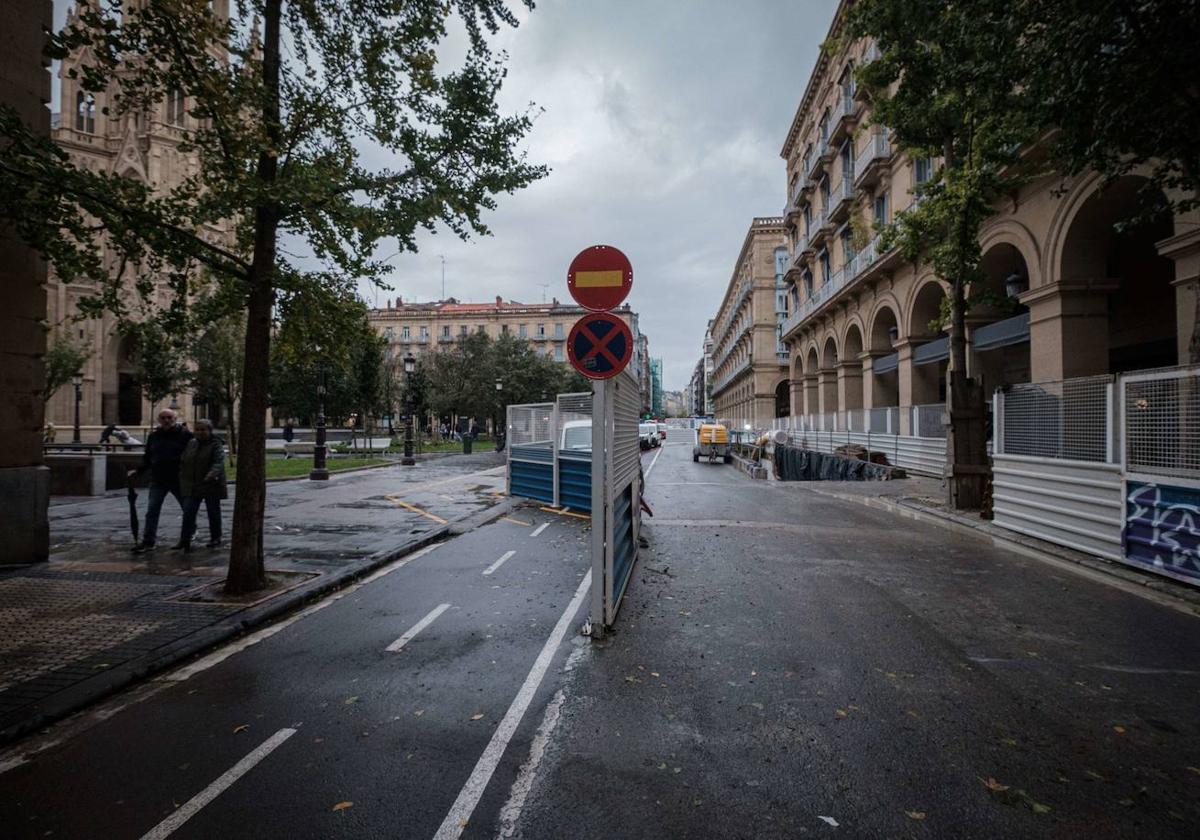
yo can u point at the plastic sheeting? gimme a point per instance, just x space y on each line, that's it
795 464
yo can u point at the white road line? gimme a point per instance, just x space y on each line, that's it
395 646
193 805
460 812
657 455
215 658
499 562
540 528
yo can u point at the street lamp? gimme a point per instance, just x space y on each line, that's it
500 409
77 381
319 471
410 364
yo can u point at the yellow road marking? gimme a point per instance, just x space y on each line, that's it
415 509
517 521
565 512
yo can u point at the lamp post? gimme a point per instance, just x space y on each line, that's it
77 381
319 471
410 364
500 409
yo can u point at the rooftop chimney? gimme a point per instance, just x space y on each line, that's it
499 300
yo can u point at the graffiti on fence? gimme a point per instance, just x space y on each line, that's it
1162 528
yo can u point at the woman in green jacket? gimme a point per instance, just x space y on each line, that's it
202 478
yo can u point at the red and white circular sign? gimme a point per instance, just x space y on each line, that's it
600 278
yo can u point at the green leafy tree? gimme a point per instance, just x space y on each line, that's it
218 358
1117 81
945 86
64 358
161 358
283 100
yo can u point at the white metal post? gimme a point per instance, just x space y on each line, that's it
599 498
555 432
1111 390
998 423
508 451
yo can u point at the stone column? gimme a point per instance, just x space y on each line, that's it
904 374
1068 329
24 479
812 401
828 386
797 388
1185 251
850 385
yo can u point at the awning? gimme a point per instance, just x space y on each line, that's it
1013 330
932 352
886 364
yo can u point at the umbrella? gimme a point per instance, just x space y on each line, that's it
133 515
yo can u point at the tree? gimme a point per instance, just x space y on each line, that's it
279 135
64 358
161 358
1117 80
217 363
945 85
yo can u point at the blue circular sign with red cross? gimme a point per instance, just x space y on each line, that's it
600 345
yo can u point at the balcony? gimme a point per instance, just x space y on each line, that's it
820 229
839 280
822 157
796 200
875 163
841 198
845 112
720 384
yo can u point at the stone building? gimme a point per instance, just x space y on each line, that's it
749 370
1074 296
24 481
142 145
417 327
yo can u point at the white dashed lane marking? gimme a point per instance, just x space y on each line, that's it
499 562
540 528
397 645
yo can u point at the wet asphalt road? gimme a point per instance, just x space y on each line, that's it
782 657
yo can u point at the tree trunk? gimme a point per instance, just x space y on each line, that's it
246 567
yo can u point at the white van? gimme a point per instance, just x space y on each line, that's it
647 435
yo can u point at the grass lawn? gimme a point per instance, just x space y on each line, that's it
287 467
397 446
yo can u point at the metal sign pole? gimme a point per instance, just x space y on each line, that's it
599 505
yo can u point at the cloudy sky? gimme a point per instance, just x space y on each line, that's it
663 124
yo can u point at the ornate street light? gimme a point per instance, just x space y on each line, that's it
496 428
319 471
77 381
410 365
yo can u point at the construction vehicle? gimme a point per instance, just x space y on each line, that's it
712 442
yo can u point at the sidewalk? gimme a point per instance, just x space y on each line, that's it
924 498
96 618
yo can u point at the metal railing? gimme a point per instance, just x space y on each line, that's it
929 420
1069 419
1161 428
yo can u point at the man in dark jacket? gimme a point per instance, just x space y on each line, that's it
164 449
202 479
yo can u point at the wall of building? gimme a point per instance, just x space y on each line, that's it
24 481
746 367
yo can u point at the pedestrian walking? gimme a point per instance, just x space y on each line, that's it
161 458
289 431
202 479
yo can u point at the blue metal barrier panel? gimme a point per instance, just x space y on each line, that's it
534 481
575 483
1162 529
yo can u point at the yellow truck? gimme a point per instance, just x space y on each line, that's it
712 442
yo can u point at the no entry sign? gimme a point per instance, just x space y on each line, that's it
600 278
600 345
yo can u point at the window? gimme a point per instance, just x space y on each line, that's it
85 112
558 330
541 330
824 267
808 285
881 212
405 334
504 329
807 219
481 329
445 331
462 330
424 334
558 352
175 111
922 169
848 251
389 334
524 330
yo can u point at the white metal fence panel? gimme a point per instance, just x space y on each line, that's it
1161 423
1070 419
627 453
531 424
929 421
1077 504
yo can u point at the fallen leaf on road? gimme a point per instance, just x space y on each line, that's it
476 717
1195 770
1095 775
1038 807
419 712
829 820
342 806
1120 730
915 815
242 728
841 713
757 705
994 786
350 700
654 673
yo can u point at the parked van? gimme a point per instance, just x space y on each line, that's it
647 435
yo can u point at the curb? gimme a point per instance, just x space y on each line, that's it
82 694
1159 590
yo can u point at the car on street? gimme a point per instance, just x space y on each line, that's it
662 431
647 435
576 436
